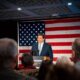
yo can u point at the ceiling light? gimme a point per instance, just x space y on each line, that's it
69 3
19 9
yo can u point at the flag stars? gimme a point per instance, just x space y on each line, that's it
28 32
22 41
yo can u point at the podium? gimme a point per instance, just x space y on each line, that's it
38 60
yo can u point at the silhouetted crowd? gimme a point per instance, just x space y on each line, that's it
64 69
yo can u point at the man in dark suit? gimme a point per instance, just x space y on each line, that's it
41 48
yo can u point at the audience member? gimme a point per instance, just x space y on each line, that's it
27 61
62 72
64 60
8 59
44 69
76 52
28 67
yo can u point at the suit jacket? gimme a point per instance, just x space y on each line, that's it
46 50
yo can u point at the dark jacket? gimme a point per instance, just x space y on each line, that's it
46 50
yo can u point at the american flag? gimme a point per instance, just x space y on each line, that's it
59 33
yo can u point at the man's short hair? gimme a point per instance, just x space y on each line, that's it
8 50
40 34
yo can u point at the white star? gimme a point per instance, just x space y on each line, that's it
29 24
33 34
20 29
22 41
29 34
40 31
24 34
38 24
33 29
24 24
24 29
25 44
43 24
29 39
20 34
34 39
29 29
43 28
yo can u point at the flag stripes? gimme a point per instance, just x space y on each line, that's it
60 34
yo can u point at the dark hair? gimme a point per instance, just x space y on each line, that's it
40 34
8 51
44 69
27 60
62 72
76 47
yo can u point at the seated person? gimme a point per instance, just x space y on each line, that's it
28 67
27 61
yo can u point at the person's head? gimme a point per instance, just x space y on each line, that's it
8 53
27 60
40 38
76 46
62 72
64 60
44 69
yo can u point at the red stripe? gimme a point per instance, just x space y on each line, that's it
24 51
62 28
62 36
55 59
54 51
60 43
62 51
62 20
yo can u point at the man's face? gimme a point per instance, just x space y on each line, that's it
40 39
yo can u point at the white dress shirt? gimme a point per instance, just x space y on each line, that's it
40 46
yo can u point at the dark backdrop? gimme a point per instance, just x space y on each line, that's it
8 29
